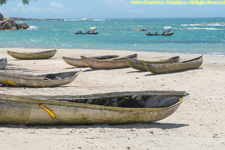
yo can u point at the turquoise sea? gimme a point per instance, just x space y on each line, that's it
191 35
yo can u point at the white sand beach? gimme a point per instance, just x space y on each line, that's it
197 124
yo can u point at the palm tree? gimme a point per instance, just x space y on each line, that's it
4 2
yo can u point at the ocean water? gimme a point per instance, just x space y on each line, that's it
191 35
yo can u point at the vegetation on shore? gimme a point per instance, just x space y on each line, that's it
5 1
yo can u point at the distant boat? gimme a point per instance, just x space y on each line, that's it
86 33
167 32
92 31
139 29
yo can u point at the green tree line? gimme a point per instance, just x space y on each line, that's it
5 1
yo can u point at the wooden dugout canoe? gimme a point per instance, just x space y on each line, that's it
47 80
36 55
108 64
139 64
3 63
78 62
106 108
175 67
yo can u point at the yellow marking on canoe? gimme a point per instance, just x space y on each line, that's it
12 83
48 110
180 99
86 64
106 103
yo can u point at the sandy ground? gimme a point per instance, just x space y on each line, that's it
197 124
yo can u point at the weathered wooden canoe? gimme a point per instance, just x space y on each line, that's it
47 80
37 55
78 62
106 108
139 64
3 63
108 64
175 67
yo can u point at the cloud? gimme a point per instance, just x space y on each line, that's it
117 3
57 8
20 5
29 9
56 5
123 4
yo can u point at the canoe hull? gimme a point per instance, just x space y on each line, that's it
78 62
39 55
74 62
175 67
30 111
17 80
139 64
3 63
33 114
107 64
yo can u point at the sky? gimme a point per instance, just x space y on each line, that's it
72 9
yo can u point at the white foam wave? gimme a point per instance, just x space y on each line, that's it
185 25
32 28
205 24
195 28
19 21
84 19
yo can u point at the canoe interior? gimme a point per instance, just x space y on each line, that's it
127 100
105 57
125 57
42 52
58 75
141 62
191 59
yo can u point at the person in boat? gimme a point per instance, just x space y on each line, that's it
163 33
149 33
156 33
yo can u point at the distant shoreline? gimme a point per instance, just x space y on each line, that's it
32 19
35 19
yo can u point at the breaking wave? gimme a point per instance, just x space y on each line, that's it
195 28
205 24
84 19
32 28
